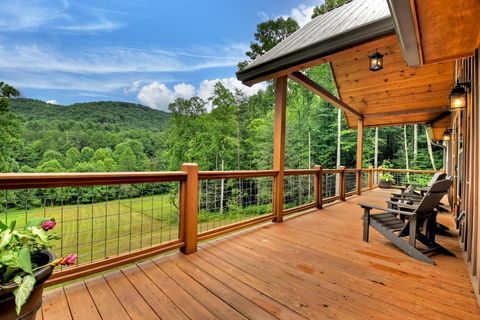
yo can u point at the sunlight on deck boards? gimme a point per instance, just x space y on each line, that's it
312 266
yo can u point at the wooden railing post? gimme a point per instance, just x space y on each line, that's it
189 208
318 187
343 182
359 181
370 177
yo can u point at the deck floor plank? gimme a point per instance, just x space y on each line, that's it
107 303
80 302
314 266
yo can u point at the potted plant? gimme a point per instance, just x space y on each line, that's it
386 180
25 265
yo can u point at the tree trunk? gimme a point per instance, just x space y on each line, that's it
415 144
407 166
339 150
430 151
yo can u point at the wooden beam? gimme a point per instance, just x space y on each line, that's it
359 155
440 117
405 112
311 85
279 145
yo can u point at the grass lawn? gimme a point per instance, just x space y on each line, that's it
109 228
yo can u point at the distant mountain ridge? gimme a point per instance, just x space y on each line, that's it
125 114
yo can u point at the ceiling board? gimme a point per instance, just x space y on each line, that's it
397 90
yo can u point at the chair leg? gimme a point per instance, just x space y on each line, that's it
412 232
366 224
403 245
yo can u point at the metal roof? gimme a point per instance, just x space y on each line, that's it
350 24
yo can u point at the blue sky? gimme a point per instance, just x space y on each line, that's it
149 52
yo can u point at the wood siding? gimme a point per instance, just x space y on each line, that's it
467 192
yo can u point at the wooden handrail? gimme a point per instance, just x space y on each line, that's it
408 171
300 172
209 175
57 180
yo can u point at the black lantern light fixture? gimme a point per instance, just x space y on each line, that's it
376 61
458 96
446 135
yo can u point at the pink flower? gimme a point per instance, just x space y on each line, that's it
68 260
48 224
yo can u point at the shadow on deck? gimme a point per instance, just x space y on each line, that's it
311 266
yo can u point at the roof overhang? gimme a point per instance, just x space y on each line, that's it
436 30
312 55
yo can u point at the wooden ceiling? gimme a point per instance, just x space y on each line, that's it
447 29
398 94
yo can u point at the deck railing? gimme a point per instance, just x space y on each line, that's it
111 219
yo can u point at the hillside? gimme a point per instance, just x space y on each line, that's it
122 114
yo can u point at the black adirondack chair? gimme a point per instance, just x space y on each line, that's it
415 194
417 190
418 222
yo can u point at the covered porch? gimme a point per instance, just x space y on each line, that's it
312 266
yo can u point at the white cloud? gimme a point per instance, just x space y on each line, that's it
183 90
157 95
102 25
51 101
23 15
103 60
302 13
206 87
134 87
28 15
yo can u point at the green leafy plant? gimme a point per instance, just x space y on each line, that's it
387 177
16 250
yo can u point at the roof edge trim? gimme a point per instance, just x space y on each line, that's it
404 22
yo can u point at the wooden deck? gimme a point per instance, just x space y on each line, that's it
312 266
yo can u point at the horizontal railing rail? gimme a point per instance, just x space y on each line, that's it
111 219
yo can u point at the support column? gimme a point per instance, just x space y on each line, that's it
279 146
359 155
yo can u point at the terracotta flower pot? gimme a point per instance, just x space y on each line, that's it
29 309
385 184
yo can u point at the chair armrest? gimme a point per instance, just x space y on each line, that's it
370 206
406 206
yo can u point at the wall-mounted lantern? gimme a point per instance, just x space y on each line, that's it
376 61
458 96
446 135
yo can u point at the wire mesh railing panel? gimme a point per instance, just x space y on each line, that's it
99 222
408 178
350 181
330 185
365 179
298 190
224 202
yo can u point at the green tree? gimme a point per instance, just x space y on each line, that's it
268 35
10 129
328 6
50 166
72 157
126 160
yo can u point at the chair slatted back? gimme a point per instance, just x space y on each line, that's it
436 177
432 198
